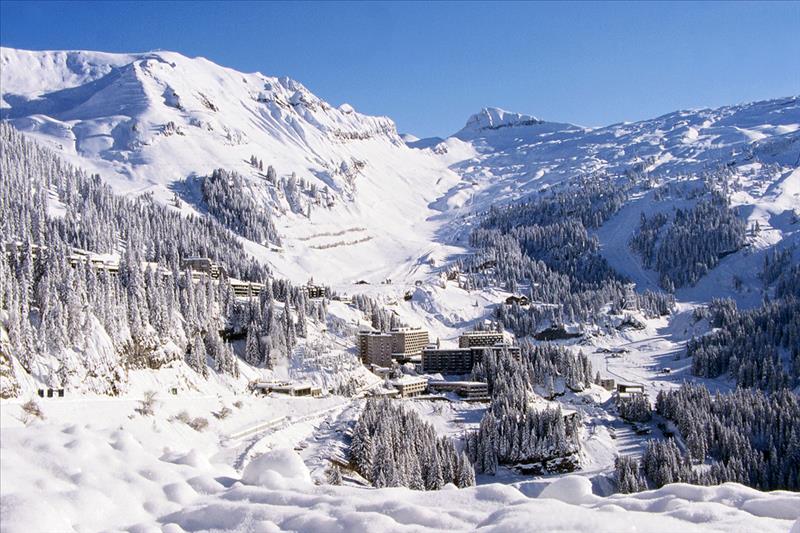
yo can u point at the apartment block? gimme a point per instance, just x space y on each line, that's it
375 348
470 339
408 341
497 349
447 360
471 390
461 360
410 386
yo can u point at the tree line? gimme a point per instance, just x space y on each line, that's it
57 307
394 447
746 436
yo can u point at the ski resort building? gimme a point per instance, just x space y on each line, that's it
50 393
97 261
314 291
408 386
497 349
608 384
470 390
408 341
203 264
375 348
447 360
629 391
285 387
479 338
246 289
460 360
519 300
630 303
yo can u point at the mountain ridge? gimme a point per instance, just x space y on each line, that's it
148 122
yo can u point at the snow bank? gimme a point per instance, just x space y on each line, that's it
151 475
570 489
280 468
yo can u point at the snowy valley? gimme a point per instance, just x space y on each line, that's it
198 261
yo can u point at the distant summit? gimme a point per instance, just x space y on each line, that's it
494 118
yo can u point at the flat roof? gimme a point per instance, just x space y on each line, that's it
409 380
456 383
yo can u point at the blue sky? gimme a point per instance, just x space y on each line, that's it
431 65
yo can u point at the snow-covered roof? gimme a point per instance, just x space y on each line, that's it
409 380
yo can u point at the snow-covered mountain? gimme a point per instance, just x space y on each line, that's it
148 121
145 122
124 113
533 153
705 202
502 157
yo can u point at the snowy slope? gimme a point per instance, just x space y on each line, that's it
516 155
503 156
528 149
402 208
125 471
147 121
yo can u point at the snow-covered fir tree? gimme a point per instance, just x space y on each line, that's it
59 302
512 430
393 447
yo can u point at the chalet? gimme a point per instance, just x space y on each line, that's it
314 291
569 415
629 391
487 264
608 384
519 300
554 333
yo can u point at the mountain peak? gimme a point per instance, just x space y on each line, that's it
493 118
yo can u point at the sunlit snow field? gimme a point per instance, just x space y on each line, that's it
97 465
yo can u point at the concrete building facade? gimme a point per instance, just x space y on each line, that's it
375 348
471 390
497 349
447 360
203 264
479 338
410 386
408 341
460 360
314 291
629 391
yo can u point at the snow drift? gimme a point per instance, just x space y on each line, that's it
83 477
